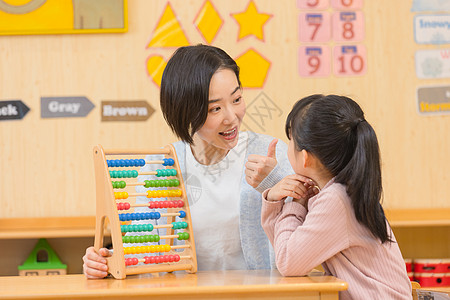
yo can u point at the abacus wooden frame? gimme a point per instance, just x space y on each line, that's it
106 208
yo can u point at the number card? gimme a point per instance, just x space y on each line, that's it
347 4
314 61
314 27
348 26
349 60
313 4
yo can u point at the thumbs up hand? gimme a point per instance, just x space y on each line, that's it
259 166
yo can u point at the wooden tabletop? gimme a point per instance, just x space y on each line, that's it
256 284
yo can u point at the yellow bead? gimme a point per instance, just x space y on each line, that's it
152 249
167 248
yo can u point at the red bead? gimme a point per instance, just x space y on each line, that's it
152 259
176 258
170 258
151 205
180 203
166 204
146 259
127 205
135 261
157 259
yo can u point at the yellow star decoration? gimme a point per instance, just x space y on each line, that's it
251 22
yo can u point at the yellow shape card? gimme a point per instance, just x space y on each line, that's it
254 68
168 32
251 22
208 22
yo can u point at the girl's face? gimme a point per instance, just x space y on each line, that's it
226 110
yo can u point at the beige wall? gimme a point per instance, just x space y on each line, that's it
46 164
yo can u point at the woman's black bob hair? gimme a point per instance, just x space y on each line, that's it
185 87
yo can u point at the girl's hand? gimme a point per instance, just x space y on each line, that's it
94 266
299 187
258 166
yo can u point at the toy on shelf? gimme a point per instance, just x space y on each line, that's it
123 179
42 261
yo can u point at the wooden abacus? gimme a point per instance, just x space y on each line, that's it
179 257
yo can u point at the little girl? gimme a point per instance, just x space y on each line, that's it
335 217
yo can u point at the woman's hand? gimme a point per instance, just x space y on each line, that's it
299 187
94 266
258 166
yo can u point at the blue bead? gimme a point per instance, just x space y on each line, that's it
157 215
182 214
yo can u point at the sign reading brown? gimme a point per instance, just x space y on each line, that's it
138 110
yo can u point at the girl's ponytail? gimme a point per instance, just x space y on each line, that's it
362 176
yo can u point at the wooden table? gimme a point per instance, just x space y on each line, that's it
257 284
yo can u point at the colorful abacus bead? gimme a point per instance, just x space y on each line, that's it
121 195
119 184
131 261
141 238
166 204
140 216
126 162
183 236
124 174
179 225
163 193
182 214
166 172
136 228
168 162
161 183
161 259
123 206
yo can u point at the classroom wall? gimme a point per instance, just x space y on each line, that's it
47 166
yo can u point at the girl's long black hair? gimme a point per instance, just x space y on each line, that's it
333 128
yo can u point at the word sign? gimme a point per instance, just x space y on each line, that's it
432 29
65 107
348 26
126 110
13 110
314 61
314 27
433 63
349 60
433 100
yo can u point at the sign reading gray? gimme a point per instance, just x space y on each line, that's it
136 110
65 107
13 110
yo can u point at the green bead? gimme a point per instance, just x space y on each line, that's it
184 224
147 183
123 184
157 238
150 227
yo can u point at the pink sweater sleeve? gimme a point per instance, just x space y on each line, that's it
303 240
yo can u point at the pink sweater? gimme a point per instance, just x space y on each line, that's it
329 234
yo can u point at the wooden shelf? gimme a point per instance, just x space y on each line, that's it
62 227
418 217
56 227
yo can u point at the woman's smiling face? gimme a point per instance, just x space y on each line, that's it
226 109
